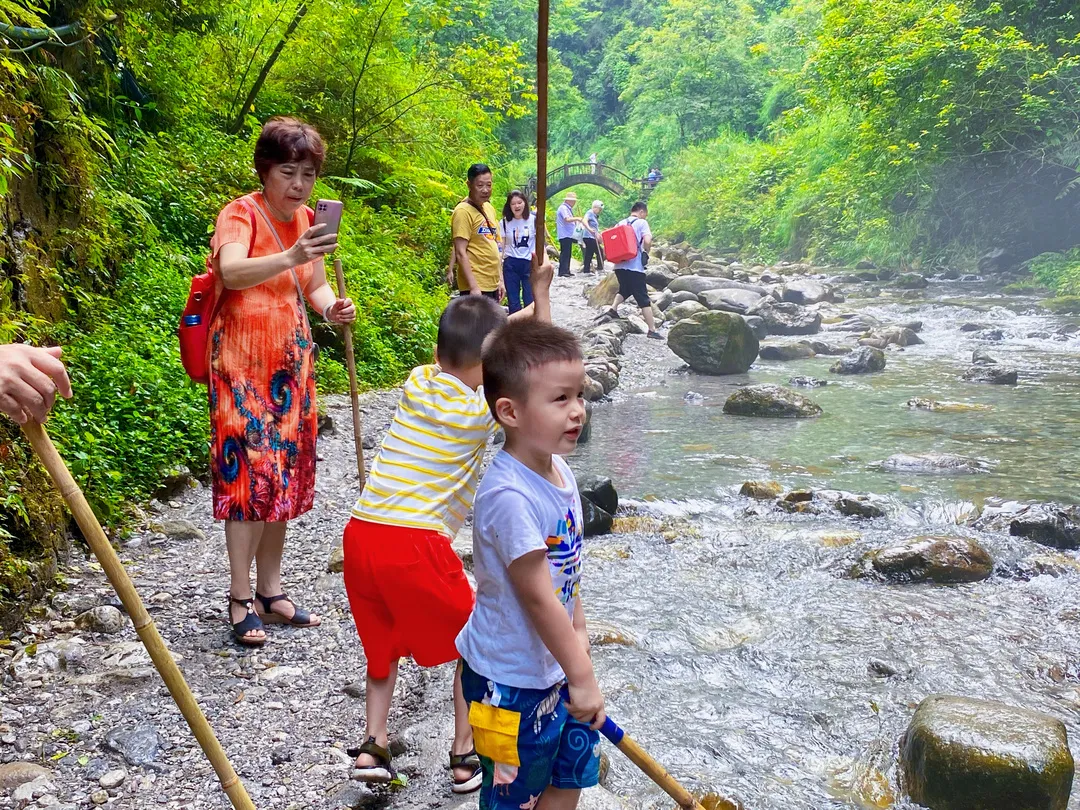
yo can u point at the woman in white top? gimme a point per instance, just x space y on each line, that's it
518 230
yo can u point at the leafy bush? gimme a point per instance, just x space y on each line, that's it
1058 271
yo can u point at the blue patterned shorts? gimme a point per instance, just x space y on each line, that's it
527 741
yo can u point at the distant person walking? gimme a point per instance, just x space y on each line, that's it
631 273
592 236
593 159
565 225
476 239
518 231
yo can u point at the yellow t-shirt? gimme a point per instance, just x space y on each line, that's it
483 249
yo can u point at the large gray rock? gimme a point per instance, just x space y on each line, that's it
678 312
785 351
991 375
865 360
659 279
700 284
783 318
1048 523
596 521
856 322
771 401
928 559
683 296
139 746
710 270
911 281
179 530
13 774
740 301
806 291
601 491
757 325
714 343
960 753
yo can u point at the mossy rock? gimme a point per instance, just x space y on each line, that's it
33 527
603 294
714 343
942 560
1064 305
965 754
771 401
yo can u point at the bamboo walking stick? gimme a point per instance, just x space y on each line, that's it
144 625
354 388
649 766
541 125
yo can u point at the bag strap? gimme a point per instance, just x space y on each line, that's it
299 292
483 213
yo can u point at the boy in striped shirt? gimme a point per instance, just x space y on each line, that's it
406 586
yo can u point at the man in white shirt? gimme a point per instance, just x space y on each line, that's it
565 223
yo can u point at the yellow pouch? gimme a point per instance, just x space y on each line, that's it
495 732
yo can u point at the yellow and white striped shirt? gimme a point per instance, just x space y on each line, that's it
426 472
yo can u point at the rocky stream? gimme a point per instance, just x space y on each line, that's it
839 494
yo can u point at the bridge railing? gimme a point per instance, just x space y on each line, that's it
601 169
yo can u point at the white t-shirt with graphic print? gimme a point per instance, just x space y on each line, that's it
516 512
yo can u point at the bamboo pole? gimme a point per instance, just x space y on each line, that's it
354 387
541 125
144 625
649 766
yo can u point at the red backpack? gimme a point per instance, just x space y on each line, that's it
620 243
202 305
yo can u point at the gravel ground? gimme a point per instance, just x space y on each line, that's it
81 699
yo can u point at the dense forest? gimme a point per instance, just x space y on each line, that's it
910 132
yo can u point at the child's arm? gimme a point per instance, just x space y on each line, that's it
531 579
580 628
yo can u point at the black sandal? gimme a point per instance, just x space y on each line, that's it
468 760
300 617
379 773
251 621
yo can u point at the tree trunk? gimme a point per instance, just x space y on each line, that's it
249 102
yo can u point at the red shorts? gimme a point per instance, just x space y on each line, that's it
408 594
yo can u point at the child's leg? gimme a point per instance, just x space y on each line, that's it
377 699
558 799
463 737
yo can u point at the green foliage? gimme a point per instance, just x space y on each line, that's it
1058 271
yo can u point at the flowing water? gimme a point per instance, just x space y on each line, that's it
751 663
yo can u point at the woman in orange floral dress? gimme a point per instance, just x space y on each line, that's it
263 415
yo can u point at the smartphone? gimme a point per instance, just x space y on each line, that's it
328 211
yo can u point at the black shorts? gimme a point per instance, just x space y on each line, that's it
492 294
632 285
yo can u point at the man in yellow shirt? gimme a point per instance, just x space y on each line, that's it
476 239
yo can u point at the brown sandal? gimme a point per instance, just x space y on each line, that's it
300 617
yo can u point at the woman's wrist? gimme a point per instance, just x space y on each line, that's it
326 311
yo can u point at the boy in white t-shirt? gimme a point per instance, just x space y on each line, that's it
534 703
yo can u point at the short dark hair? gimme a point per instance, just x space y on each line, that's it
639 206
464 325
519 346
508 212
287 140
478 169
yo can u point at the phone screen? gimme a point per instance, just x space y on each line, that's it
328 211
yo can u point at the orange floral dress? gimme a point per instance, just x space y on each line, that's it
263 416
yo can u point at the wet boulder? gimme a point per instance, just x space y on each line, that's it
981 357
710 270
943 560
596 521
935 463
855 322
785 351
861 507
827 349
659 279
991 375
805 291
911 281
998 260
601 491
730 300
603 294
683 296
899 336
699 284
1050 524
972 326
865 360
714 343
757 325
960 753
771 401
681 311
761 490
784 318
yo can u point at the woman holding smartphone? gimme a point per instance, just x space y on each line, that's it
267 257
518 230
